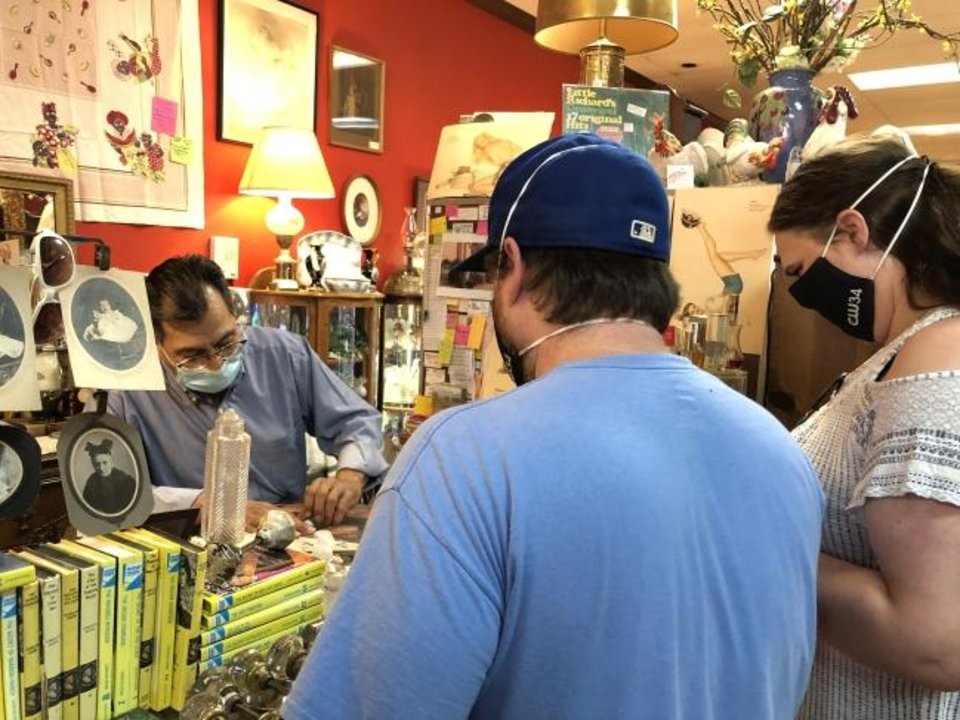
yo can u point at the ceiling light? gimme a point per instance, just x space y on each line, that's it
944 129
936 74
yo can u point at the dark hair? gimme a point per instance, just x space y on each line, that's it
572 285
928 248
177 288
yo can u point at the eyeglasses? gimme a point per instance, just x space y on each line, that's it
54 265
224 353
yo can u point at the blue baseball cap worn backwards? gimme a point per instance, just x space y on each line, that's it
578 191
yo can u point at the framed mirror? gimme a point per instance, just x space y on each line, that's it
356 100
32 202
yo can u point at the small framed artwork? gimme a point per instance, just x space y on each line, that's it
356 100
109 332
106 481
19 471
268 68
361 209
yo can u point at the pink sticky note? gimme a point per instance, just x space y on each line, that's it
164 116
460 335
451 211
482 227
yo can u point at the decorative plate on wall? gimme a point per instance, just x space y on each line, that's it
361 209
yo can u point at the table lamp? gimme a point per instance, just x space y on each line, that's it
603 32
286 163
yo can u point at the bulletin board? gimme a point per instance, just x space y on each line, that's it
109 94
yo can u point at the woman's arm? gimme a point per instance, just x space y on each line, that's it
905 618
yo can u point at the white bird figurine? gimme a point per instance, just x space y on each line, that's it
667 150
833 123
712 140
745 157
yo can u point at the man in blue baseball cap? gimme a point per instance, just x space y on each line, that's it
622 536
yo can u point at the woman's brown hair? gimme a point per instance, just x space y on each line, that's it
928 247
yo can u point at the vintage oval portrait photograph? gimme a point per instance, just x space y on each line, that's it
109 324
11 338
104 473
11 472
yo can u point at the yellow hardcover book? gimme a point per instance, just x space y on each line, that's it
284 623
69 629
51 688
126 646
313 599
148 619
107 621
9 670
168 574
263 644
215 602
14 572
186 653
88 648
28 627
208 622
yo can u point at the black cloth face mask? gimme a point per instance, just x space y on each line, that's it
848 301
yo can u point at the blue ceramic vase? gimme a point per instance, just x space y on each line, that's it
787 109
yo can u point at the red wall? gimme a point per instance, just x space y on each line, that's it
443 58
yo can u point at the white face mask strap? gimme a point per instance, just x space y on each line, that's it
568 328
906 219
866 192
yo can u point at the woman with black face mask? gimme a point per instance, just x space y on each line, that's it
871 232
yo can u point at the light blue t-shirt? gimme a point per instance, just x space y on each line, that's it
284 392
625 537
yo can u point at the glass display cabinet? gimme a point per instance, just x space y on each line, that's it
343 328
402 372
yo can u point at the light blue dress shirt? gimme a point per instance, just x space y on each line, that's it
285 391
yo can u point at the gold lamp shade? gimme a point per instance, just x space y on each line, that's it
602 32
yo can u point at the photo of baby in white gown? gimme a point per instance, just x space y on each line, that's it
108 323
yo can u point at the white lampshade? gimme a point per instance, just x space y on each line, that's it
287 162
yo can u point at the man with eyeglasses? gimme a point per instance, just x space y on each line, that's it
272 378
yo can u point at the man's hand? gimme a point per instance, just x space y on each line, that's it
328 499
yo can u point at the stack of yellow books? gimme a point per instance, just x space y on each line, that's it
269 599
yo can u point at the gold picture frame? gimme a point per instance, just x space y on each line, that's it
357 84
31 201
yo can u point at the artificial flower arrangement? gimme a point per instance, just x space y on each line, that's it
815 35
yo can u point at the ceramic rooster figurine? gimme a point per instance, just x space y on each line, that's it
746 158
832 129
668 150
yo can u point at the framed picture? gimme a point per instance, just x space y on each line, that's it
356 100
106 481
361 209
31 202
19 471
268 68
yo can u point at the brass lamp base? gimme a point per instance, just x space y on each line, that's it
405 283
601 64
285 277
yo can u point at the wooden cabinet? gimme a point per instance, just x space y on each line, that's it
343 329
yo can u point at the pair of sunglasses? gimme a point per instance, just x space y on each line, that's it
54 266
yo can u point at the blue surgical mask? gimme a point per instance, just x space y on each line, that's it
211 382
